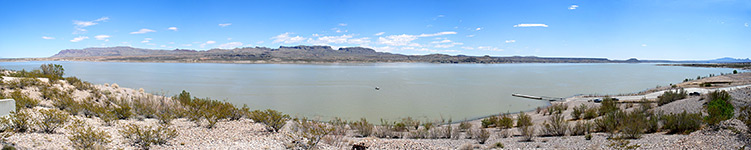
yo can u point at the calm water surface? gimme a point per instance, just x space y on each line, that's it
424 91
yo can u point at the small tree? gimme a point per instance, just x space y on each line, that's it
555 126
608 105
719 107
274 120
53 70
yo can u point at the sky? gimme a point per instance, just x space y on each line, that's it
614 29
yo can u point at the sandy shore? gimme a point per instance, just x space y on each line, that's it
246 134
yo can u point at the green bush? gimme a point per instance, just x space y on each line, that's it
51 119
489 122
523 119
591 113
670 96
53 70
273 119
505 122
25 82
609 122
362 127
146 136
21 121
745 116
578 112
23 101
482 136
526 128
580 128
645 104
608 106
465 125
80 85
309 133
719 107
66 103
410 123
633 125
557 108
555 125
207 109
82 136
682 123
588 136
652 123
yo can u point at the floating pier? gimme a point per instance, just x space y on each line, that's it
538 97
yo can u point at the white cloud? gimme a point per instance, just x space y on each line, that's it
440 16
79 38
342 24
379 33
510 41
572 7
443 41
643 45
163 46
80 25
225 24
286 39
471 35
437 34
146 40
207 43
448 45
172 28
230 45
489 48
364 40
102 37
397 40
142 31
468 48
48 38
531 25
436 51
478 29
259 42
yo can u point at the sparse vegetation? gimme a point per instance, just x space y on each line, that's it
309 133
526 128
83 136
555 126
465 125
23 101
146 136
633 125
274 120
580 128
608 106
482 136
682 123
21 121
719 107
51 119
489 122
670 96
505 122
363 127
578 112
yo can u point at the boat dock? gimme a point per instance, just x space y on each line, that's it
538 97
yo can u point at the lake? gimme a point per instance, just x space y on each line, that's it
419 90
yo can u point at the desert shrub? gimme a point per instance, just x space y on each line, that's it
207 109
527 129
645 105
145 136
385 130
633 125
23 101
53 70
580 128
505 121
497 145
591 113
555 125
409 123
25 82
670 96
21 121
608 105
482 136
274 120
66 103
399 127
682 123
609 122
309 133
719 107
578 112
523 119
83 136
80 85
465 125
51 119
653 123
362 127
557 108
588 136
489 122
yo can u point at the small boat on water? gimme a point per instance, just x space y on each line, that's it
537 97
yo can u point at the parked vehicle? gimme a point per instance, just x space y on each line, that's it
597 100
694 94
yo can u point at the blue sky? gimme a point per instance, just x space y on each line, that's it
645 29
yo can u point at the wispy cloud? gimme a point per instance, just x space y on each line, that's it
286 38
510 41
103 37
225 24
172 28
437 34
146 40
397 40
207 43
448 45
48 38
381 33
531 25
230 45
478 29
471 35
79 38
572 7
142 31
643 45
467 48
489 48
342 24
80 25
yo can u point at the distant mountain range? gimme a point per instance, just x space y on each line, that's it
314 54
292 54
